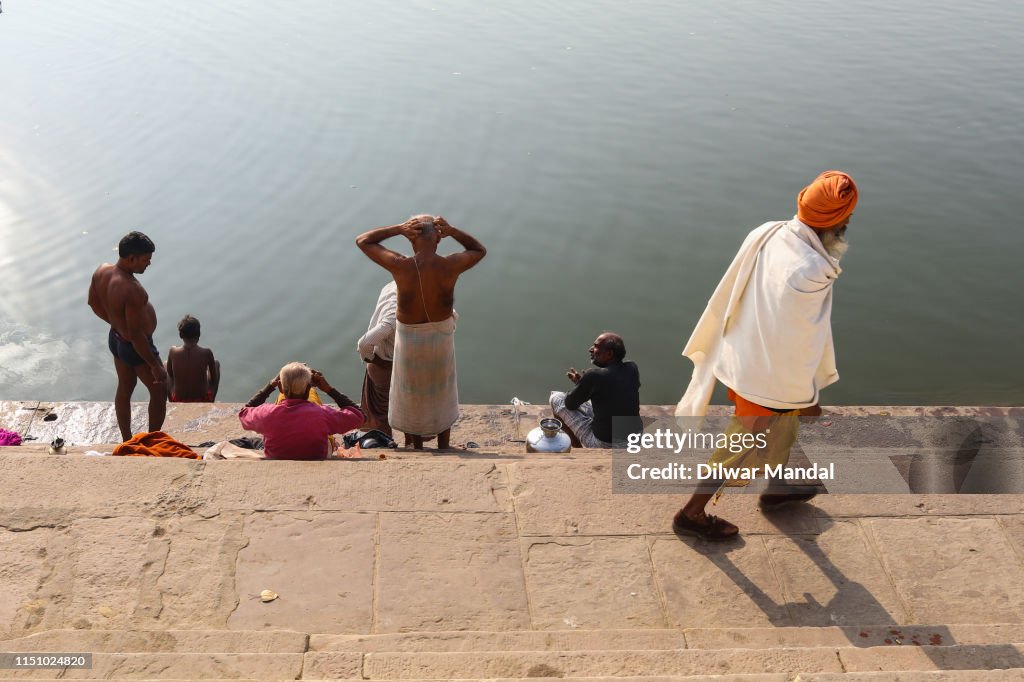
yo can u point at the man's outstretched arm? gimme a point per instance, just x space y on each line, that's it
474 250
370 242
582 393
320 382
261 395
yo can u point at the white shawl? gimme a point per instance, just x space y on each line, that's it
767 332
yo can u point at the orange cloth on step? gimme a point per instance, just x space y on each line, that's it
153 444
827 201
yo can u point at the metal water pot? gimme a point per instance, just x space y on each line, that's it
548 437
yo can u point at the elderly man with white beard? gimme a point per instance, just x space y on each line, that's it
766 334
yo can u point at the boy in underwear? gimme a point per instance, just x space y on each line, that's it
193 375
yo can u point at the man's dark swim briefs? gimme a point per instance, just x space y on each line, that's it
123 350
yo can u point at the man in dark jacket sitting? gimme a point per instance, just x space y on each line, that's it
610 390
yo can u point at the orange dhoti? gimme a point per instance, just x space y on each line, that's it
779 429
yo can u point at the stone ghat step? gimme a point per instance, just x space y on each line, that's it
492 427
164 666
781 662
405 666
1011 675
687 638
285 641
162 641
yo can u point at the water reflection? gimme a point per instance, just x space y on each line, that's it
611 156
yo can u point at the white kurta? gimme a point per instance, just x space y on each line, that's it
767 331
379 338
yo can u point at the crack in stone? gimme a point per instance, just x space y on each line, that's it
553 541
237 531
28 529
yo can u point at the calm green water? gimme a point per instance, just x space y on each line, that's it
611 156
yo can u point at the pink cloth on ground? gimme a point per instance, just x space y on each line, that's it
298 429
9 437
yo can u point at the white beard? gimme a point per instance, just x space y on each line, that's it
835 243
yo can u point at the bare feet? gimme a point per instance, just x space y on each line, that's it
416 442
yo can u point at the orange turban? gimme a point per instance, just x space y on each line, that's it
827 201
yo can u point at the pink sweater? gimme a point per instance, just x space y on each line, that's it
298 429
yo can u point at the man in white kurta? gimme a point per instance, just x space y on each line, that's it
377 349
766 334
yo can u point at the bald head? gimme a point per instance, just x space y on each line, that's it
428 237
607 348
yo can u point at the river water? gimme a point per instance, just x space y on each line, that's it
610 155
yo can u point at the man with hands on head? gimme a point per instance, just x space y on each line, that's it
424 398
297 428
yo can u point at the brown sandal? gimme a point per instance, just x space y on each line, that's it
708 528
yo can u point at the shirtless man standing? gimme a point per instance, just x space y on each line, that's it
424 399
118 299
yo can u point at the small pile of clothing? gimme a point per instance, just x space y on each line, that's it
246 447
9 438
154 444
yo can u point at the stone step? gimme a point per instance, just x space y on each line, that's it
1009 675
459 665
185 666
925 658
992 662
780 677
162 641
558 664
846 636
687 638
1002 675
513 640
282 642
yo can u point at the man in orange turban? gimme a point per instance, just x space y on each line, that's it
828 201
766 334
